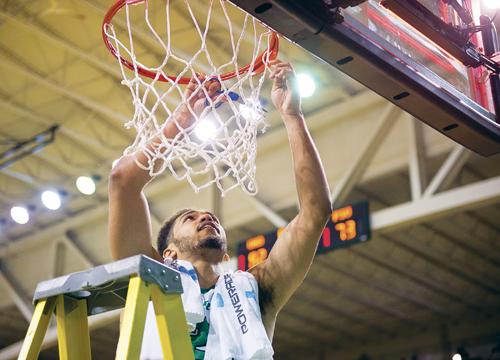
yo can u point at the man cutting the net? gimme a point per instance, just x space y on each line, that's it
195 237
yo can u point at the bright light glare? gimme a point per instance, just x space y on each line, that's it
205 130
85 185
248 112
19 214
457 357
51 200
492 4
114 163
306 85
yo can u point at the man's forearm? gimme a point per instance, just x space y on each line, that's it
169 131
286 266
312 186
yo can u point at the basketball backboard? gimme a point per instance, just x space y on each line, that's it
378 48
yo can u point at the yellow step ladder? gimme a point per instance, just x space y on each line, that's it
130 282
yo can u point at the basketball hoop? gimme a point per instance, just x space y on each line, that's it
157 94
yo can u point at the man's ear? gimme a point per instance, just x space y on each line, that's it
170 253
225 257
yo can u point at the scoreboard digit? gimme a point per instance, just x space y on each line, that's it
255 250
347 226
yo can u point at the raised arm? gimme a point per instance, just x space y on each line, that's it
129 217
287 265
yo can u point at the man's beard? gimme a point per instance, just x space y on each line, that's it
212 242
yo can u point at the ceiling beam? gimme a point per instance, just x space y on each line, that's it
448 172
84 142
484 253
454 269
15 292
354 174
340 313
485 222
386 288
457 270
69 240
35 27
259 204
267 212
32 26
4 198
58 259
216 202
446 203
59 165
479 248
24 178
419 279
53 231
118 118
417 157
357 298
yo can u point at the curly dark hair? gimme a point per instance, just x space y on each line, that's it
165 234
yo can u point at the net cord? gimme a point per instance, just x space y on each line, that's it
232 153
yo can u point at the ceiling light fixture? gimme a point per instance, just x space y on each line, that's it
20 214
86 185
51 199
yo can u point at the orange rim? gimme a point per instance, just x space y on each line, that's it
258 67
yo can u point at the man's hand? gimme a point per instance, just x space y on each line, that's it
284 93
197 99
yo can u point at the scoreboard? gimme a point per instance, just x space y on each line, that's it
347 225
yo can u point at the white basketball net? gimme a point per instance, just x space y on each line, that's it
222 140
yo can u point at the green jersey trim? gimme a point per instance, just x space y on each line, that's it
199 336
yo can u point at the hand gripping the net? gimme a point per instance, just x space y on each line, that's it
206 131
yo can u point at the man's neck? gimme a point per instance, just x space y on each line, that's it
207 274
206 271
